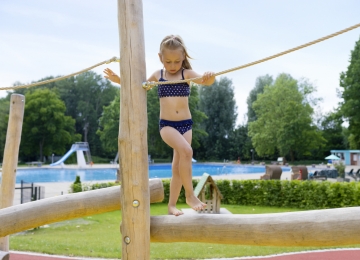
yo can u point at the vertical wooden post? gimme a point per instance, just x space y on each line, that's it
133 134
10 159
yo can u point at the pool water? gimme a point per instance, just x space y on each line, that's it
155 171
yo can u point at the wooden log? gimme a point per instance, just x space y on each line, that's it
11 155
133 133
37 213
4 255
329 227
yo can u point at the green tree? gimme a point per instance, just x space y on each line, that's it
4 115
284 120
332 131
157 147
109 126
219 105
85 96
197 116
46 129
260 84
350 106
240 144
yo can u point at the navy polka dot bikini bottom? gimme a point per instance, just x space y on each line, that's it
182 126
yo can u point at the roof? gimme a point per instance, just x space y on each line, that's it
204 179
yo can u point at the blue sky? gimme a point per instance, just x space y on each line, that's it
40 38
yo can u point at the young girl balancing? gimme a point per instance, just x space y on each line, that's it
175 119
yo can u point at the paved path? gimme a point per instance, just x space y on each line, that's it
35 256
335 254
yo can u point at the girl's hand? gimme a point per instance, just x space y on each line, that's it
110 75
208 78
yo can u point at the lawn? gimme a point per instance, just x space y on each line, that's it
98 236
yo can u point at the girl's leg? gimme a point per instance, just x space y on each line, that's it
183 148
175 186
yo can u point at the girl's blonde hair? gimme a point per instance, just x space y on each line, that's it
173 42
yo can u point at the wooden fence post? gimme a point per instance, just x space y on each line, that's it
10 159
133 133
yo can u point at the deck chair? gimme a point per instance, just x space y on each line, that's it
273 172
353 175
319 176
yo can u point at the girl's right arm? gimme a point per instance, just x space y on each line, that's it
110 75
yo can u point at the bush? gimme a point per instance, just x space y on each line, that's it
294 194
340 167
76 186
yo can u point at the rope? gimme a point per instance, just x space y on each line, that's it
150 85
113 59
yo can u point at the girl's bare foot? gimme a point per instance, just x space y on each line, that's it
172 210
195 203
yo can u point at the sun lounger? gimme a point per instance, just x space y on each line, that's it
318 175
353 175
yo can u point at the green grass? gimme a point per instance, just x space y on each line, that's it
99 236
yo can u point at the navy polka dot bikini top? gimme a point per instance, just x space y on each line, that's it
173 90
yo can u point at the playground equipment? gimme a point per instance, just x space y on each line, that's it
69 206
309 228
116 159
79 148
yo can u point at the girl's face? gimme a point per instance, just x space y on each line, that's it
172 59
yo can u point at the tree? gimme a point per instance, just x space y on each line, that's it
219 105
260 84
284 120
46 129
332 131
85 96
4 115
240 144
109 126
197 116
157 147
350 106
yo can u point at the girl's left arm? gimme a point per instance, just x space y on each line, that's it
208 78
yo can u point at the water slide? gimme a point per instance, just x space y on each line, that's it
63 159
79 148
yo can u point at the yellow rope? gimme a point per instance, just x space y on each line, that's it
150 85
113 59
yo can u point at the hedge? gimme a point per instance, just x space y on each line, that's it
294 194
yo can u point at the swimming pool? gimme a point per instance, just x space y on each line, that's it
155 171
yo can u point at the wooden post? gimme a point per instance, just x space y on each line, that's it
59 208
10 159
133 133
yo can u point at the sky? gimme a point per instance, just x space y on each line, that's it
41 38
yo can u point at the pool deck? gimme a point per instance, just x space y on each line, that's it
58 188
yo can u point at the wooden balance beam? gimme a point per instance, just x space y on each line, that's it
328 227
4 255
63 207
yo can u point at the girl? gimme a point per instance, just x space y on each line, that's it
175 119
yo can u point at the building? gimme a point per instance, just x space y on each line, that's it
349 157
